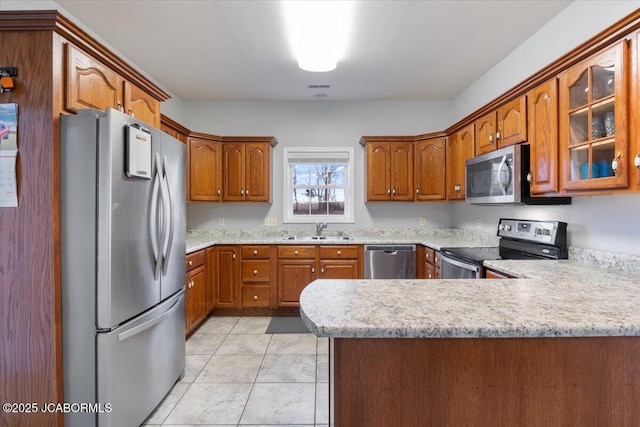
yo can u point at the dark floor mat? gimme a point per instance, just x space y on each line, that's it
287 325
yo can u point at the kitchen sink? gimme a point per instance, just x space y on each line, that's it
318 238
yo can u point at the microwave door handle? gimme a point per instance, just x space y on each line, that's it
502 164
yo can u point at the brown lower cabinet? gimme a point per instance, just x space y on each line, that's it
226 276
300 265
492 274
428 263
196 310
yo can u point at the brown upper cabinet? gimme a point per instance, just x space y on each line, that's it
246 165
460 147
389 168
505 126
543 137
174 128
204 168
594 145
429 169
91 84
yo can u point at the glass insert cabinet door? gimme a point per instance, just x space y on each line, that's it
593 121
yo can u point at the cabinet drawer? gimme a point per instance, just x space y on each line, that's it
338 252
255 296
195 259
255 271
437 259
296 251
429 255
255 252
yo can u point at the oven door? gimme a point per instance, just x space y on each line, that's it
451 268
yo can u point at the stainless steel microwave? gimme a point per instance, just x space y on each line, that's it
500 177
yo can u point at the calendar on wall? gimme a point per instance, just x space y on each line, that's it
8 155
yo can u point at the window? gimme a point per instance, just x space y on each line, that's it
318 185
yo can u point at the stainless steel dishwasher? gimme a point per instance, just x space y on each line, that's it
390 261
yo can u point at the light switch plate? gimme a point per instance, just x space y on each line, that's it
423 220
221 222
271 221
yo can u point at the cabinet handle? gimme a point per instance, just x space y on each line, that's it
429 276
190 263
498 136
120 107
339 252
636 161
255 252
255 297
530 176
295 252
393 191
614 164
313 270
388 191
417 191
255 272
242 191
246 192
322 270
234 255
428 256
218 191
491 137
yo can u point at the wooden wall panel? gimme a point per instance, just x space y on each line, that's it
30 327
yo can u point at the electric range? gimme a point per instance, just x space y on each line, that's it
519 239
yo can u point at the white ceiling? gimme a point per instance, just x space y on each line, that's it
237 50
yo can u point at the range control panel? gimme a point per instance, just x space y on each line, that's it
547 232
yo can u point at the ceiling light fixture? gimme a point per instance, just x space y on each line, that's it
318 32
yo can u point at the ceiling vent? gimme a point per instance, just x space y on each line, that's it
319 86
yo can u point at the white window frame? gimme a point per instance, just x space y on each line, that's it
348 216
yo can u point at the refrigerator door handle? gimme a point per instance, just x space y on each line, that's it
165 216
154 226
146 325
170 220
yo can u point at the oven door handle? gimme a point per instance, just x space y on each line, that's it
460 264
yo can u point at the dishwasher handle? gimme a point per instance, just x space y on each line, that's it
390 252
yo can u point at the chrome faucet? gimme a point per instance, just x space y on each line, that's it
319 227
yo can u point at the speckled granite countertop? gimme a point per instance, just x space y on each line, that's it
435 238
554 299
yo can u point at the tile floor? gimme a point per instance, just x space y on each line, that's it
237 375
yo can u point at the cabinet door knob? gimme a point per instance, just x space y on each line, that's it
242 191
246 191
636 161
255 272
388 191
428 256
393 191
417 191
233 256
614 164
255 252
255 297
491 137
322 270
218 191
529 176
313 270
339 252
498 136
190 263
295 252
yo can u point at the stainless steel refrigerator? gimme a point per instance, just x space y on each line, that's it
123 243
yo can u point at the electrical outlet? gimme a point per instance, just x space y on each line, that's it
479 224
221 222
423 220
271 221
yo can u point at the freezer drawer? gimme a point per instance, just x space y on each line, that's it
139 362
